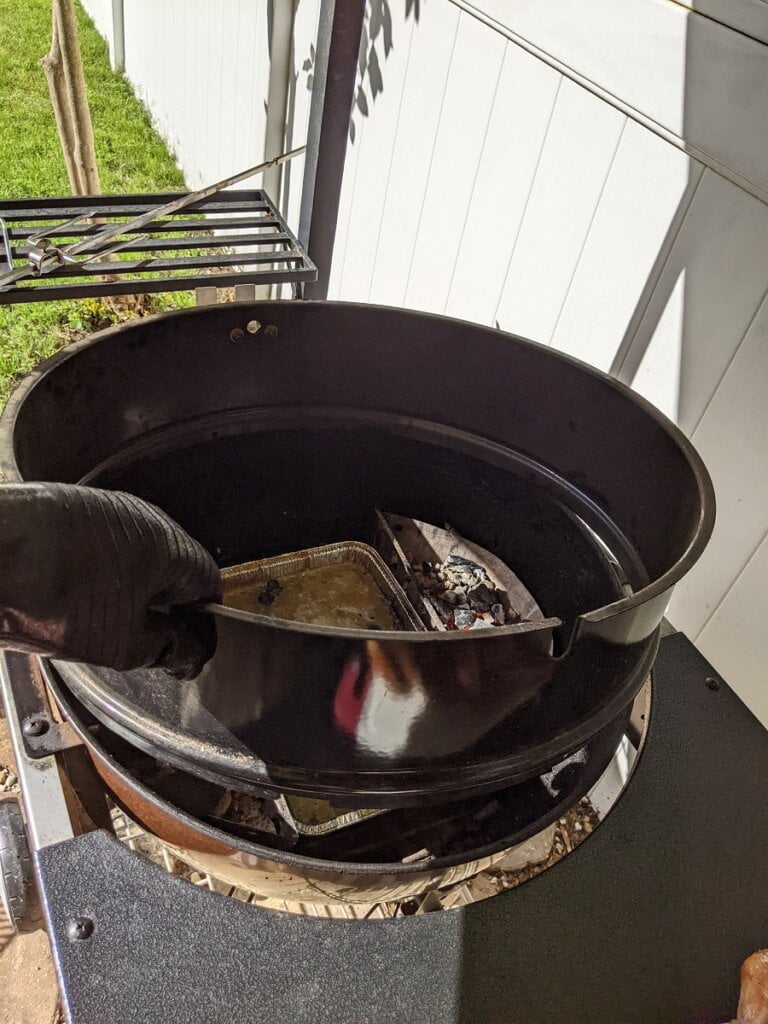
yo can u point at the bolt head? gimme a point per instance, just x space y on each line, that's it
79 929
270 331
236 334
36 726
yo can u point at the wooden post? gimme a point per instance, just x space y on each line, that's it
63 67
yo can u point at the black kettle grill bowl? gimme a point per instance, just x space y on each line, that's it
271 427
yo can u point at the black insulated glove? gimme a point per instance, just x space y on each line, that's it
104 578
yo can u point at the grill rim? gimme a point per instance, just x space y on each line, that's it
655 588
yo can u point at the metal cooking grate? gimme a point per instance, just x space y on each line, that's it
236 237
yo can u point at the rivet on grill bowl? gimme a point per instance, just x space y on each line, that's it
79 928
35 726
253 327
236 334
712 683
270 331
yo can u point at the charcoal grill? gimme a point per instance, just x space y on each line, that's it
590 496
557 469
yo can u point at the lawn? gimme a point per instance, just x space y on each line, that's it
131 157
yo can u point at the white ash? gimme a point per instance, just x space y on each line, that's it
463 594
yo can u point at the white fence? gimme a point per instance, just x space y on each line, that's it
593 180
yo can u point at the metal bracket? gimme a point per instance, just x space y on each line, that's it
43 736
41 733
45 806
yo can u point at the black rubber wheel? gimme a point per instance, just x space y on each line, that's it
17 886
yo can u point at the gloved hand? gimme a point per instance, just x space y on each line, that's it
83 570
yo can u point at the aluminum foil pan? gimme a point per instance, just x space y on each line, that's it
260 586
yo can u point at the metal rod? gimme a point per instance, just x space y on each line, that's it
338 45
156 264
89 244
147 243
41 233
283 18
240 200
122 244
96 242
182 227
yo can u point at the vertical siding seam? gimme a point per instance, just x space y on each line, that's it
627 343
207 64
431 158
183 119
527 200
251 139
234 160
195 176
391 162
589 229
480 156
730 362
219 164
750 558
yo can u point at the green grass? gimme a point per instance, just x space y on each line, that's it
131 158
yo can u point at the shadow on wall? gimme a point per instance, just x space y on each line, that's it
375 46
682 263
710 284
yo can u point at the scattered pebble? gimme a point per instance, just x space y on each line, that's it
8 780
571 830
